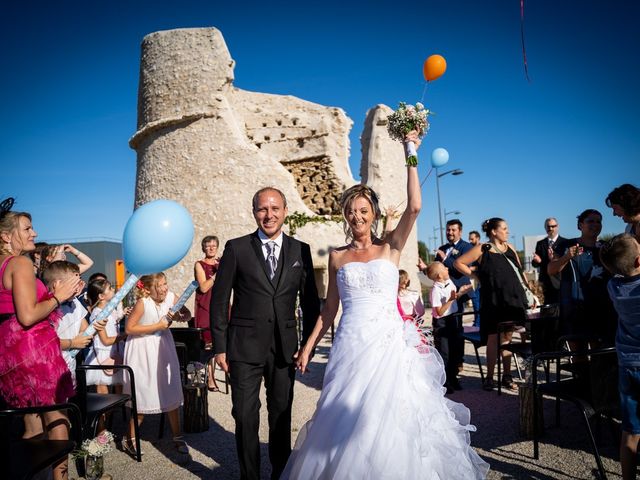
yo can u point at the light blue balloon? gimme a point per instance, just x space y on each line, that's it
439 157
157 236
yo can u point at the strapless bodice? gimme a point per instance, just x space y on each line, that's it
372 284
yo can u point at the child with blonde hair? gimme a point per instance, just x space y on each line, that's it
447 332
151 353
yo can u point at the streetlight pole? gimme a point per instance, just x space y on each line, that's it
456 171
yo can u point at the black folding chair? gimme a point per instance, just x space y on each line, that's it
94 405
594 391
539 335
22 458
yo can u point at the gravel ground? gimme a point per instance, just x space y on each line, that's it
564 452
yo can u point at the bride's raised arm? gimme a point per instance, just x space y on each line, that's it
398 237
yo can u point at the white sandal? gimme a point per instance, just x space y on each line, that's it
180 445
129 446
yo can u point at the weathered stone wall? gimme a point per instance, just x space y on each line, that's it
208 145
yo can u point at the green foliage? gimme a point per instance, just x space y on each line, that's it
297 220
422 251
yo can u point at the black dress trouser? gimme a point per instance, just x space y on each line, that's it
245 378
447 336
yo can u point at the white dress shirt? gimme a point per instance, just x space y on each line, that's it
264 239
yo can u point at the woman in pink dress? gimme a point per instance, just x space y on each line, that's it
32 370
205 274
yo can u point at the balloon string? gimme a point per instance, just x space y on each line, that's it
524 51
421 184
425 178
424 90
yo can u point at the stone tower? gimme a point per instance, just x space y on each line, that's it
209 146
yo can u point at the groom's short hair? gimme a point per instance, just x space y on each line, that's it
254 202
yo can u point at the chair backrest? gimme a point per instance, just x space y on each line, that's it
24 458
545 332
603 376
190 337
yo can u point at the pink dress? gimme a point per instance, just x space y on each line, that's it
32 370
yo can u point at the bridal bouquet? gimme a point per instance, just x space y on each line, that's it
405 119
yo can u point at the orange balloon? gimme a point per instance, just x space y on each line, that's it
434 67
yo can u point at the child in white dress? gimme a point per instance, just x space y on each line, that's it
108 346
151 353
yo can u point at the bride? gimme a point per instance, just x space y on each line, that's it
382 413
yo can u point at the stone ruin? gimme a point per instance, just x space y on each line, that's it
210 146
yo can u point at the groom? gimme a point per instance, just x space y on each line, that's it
266 270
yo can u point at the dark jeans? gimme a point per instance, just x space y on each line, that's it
447 336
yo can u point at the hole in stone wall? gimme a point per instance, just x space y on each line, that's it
259 145
313 132
282 135
279 122
295 121
301 142
264 124
267 138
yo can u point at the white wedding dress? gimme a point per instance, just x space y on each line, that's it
382 413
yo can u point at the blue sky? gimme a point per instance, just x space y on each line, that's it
555 146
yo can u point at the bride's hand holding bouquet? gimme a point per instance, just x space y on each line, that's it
405 121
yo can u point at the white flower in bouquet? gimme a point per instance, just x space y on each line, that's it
405 119
96 447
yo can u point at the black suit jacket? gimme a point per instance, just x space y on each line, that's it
542 250
460 248
262 307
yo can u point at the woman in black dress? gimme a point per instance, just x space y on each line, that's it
502 296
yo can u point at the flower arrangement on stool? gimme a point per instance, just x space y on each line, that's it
93 451
196 374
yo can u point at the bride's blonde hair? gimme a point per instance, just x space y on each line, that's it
348 197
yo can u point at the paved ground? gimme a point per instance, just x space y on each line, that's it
564 453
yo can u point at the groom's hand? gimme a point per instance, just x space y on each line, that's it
221 361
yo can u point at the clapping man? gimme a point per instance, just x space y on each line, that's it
546 249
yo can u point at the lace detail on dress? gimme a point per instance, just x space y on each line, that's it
363 279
